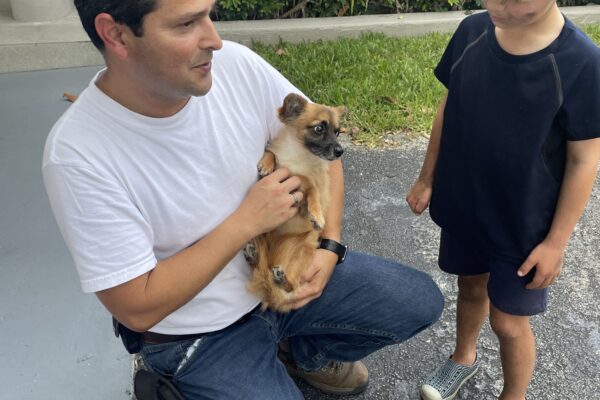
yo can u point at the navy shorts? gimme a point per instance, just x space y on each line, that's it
463 255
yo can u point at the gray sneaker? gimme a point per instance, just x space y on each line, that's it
445 381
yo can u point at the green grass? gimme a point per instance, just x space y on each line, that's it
387 83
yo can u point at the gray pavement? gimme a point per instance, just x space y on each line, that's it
56 343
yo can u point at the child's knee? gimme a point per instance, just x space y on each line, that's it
509 326
473 288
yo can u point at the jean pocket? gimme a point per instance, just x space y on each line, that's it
165 358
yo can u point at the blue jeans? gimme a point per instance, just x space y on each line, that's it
369 303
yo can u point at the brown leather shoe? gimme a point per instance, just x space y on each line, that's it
339 378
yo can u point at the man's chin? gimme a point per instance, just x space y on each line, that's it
201 90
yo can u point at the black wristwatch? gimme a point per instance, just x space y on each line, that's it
337 248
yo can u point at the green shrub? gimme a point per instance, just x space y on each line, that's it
228 10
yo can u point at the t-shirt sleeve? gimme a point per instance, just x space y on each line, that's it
442 70
468 31
580 112
108 237
274 87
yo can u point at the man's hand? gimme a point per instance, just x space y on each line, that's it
419 196
315 278
269 202
547 260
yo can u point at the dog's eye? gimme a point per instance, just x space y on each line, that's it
318 129
337 132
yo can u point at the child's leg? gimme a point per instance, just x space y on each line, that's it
461 255
517 352
471 311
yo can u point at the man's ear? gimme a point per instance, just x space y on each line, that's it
112 34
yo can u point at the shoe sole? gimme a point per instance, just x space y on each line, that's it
453 395
330 389
336 391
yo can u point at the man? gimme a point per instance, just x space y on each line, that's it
151 175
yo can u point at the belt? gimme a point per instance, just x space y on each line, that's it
160 338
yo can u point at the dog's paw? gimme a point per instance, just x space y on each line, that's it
278 275
317 222
250 254
264 170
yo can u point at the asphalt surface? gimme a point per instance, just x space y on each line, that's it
378 221
56 342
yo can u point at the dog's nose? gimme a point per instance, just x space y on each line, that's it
338 151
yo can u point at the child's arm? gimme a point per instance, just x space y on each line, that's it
580 173
419 195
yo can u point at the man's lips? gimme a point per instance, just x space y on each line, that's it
204 66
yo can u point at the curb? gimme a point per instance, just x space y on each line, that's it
63 43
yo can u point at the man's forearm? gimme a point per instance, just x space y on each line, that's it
335 213
146 300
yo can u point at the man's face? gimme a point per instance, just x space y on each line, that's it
507 14
173 56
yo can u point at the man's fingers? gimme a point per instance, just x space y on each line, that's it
309 275
296 198
280 174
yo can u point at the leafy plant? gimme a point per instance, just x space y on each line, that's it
266 9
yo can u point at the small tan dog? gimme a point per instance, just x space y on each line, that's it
305 146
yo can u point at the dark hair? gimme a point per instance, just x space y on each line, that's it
128 12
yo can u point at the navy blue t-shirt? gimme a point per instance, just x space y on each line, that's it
506 123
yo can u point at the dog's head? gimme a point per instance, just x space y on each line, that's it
316 125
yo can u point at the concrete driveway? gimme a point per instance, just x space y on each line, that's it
56 343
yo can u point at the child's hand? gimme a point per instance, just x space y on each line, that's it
418 197
547 260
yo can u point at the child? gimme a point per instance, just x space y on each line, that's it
510 165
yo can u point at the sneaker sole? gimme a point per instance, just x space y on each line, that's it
453 395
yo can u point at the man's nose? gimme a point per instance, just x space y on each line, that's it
211 38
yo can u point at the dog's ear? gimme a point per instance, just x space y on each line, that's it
341 111
293 106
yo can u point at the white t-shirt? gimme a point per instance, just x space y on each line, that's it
128 190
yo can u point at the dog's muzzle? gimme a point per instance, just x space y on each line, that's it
338 151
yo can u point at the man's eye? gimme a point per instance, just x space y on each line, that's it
188 23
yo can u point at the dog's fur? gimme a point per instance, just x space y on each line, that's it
305 146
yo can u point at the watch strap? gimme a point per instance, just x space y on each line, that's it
336 247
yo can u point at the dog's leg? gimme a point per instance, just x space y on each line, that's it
267 164
280 279
256 250
251 253
315 212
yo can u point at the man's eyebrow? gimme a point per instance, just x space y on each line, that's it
196 14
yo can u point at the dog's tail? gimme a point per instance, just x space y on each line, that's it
70 97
